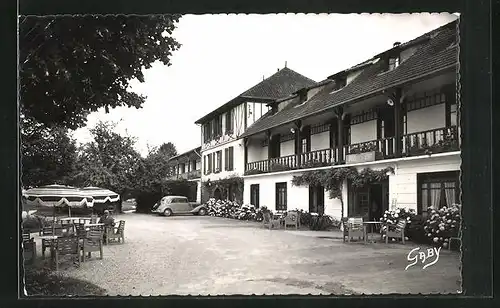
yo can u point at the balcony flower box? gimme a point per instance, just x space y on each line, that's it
363 157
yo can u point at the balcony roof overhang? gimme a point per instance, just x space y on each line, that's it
364 96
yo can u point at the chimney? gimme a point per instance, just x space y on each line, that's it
285 63
278 69
396 44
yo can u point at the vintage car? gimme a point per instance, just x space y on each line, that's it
172 205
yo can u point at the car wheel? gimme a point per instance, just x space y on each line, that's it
202 212
167 212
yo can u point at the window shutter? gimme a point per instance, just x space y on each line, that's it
219 158
205 165
231 158
226 158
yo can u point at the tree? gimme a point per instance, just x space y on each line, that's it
48 154
109 161
156 167
73 65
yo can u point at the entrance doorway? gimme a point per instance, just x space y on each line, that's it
317 199
369 202
217 194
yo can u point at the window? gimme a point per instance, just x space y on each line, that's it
281 196
182 168
229 158
218 161
304 145
207 132
230 121
393 63
209 158
453 114
254 195
437 190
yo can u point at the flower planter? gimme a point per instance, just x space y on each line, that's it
361 157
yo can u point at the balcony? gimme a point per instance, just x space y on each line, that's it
195 174
421 143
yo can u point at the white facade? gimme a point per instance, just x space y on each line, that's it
253 112
238 161
402 184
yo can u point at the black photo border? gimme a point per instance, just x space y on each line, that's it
477 152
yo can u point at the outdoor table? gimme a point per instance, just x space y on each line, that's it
75 219
88 226
371 224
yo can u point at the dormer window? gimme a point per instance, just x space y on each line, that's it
340 82
393 63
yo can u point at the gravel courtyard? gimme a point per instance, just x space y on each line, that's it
207 255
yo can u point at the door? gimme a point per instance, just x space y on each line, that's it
184 206
376 202
317 199
254 195
175 206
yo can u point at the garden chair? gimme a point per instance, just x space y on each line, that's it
67 246
116 233
292 218
80 231
47 243
92 242
269 221
29 247
355 228
396 231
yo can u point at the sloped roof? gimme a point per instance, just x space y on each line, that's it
433 55
196 151
281 84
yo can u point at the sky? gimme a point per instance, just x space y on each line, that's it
223 55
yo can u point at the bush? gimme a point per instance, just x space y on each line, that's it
320 222
391 218
416 230
231 209
443 224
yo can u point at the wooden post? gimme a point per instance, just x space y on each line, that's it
269 145
245 149
298 144
339 112
398 122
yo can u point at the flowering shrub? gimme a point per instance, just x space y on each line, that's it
443 224
231 209
391 218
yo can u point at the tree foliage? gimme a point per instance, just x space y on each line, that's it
109 161
333 179
48 155
73 65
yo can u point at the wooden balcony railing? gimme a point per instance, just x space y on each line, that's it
431 141
195 174
426 142
319 158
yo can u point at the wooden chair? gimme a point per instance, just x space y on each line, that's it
292 218
93 219
396 231
355 228
116 233
80 231
67 246
47 243
29 247
269 222
93 242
